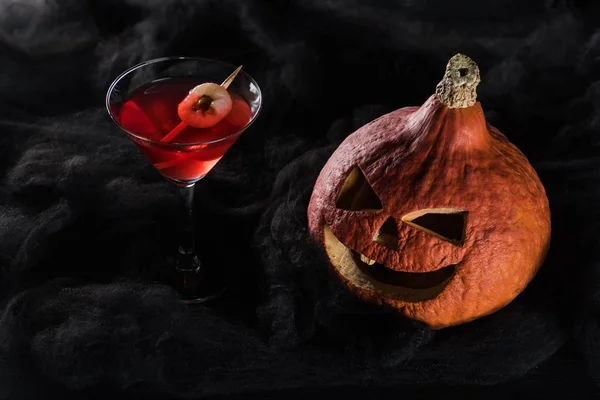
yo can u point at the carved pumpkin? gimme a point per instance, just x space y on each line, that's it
432 211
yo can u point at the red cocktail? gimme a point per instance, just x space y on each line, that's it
174 110
150 112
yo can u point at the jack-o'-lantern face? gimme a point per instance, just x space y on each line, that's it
433 212
397 276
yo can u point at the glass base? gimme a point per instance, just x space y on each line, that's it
180 183
196 285
207 299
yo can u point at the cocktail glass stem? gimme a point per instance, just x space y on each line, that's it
188 276
187 259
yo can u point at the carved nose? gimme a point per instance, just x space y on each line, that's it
387 234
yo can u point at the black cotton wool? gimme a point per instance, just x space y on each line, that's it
86 224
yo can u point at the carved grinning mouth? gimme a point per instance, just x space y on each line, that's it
375 277
412 280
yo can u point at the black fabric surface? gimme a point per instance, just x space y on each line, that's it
86 223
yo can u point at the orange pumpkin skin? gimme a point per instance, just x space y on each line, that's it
435 157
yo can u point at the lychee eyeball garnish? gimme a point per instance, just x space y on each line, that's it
205 105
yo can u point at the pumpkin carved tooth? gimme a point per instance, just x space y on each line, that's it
456 215
366 260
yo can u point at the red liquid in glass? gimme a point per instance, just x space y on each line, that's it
150 112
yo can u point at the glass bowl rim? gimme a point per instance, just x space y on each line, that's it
182 58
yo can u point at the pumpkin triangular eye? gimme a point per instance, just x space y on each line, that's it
357 194
446 223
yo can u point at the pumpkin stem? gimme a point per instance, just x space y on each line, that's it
457 89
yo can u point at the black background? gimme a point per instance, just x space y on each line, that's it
86 222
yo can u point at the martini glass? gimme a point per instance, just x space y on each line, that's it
143 102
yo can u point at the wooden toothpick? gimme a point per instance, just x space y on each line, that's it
231 77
